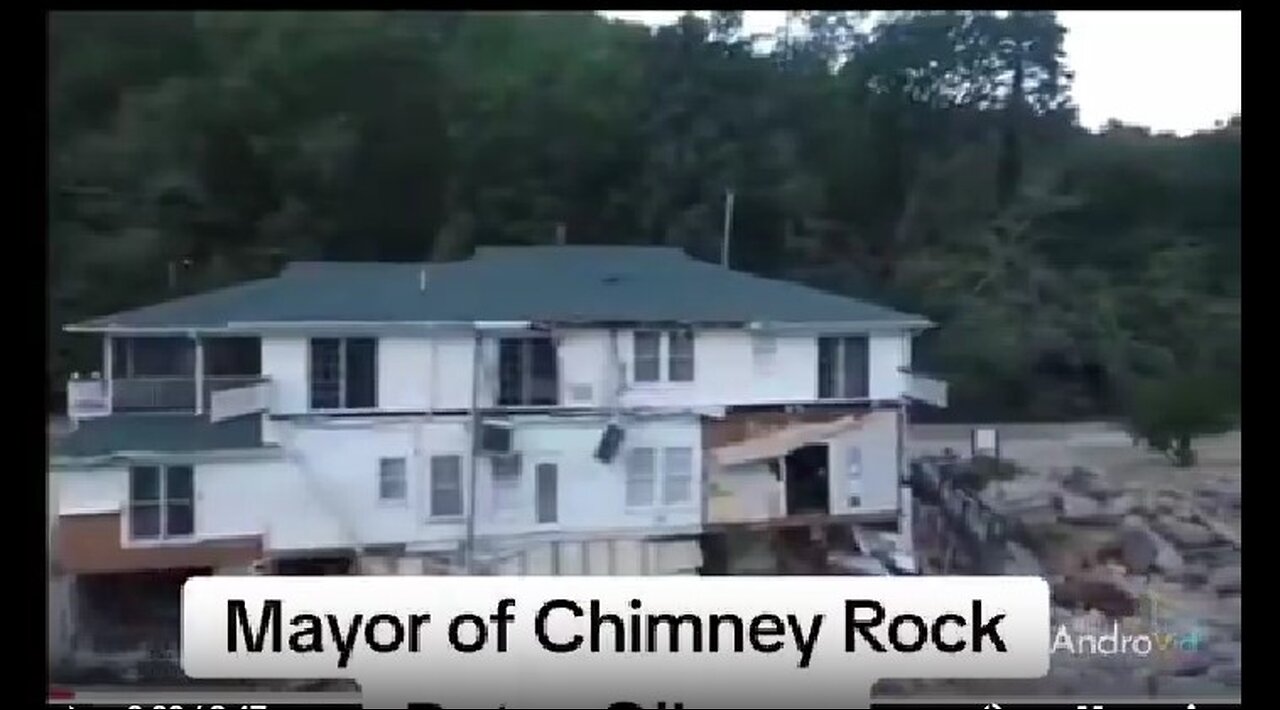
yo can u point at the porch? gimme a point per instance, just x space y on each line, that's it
220 377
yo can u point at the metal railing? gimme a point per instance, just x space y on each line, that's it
98 397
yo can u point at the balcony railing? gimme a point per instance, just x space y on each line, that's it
224 396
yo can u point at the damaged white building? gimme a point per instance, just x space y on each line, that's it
530 410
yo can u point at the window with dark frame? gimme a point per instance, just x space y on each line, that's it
843 367
527 372
344 373
161 502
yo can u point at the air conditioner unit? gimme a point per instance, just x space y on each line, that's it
496 438
610 442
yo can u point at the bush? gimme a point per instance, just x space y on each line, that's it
1168 413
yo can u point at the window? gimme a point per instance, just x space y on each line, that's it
677 483
764 349
640 477
506 482
344 373
842 367
527 372
680 356
446 486
392 483
231 357
153 357
161 502
649 347
648 356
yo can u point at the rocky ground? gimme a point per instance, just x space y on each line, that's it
1122 536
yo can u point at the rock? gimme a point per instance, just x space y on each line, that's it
1085 482
1226 675
1099 590
1226 580
1143 550
1192 664
1192 574
1184 534
1083 510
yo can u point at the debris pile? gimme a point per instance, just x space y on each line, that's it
1145 552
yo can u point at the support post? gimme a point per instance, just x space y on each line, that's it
199 366
477 363
108 370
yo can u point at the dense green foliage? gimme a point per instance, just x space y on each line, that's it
930 161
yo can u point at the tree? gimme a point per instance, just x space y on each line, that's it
1170 412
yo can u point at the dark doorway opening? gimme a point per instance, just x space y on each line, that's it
808 470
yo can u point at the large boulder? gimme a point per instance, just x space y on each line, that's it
1143 550
1184 534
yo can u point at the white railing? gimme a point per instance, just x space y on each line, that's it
930 390
239 401
87 398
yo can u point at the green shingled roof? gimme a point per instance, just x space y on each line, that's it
566 284
167 433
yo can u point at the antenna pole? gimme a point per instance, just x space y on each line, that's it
728 227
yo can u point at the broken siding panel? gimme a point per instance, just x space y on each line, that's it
877 444
744 493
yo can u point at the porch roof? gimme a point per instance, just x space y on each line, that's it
160 433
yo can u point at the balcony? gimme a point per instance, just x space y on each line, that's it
224 396
172 375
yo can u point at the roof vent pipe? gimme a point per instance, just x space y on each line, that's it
422 279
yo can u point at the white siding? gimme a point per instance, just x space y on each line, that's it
451 371
877 441
284 362
91 490
727 372
434 373
404 374
591 494
886 354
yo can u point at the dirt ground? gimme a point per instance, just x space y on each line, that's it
1099 446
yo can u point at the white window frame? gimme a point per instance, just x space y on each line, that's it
661 478
432 515
162 502
403 478
685 477
664 338
505 501
629 473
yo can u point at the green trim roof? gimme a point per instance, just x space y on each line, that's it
161 433
563 284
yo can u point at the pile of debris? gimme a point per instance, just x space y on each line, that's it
1109 550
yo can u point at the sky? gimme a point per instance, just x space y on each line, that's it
1170 70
